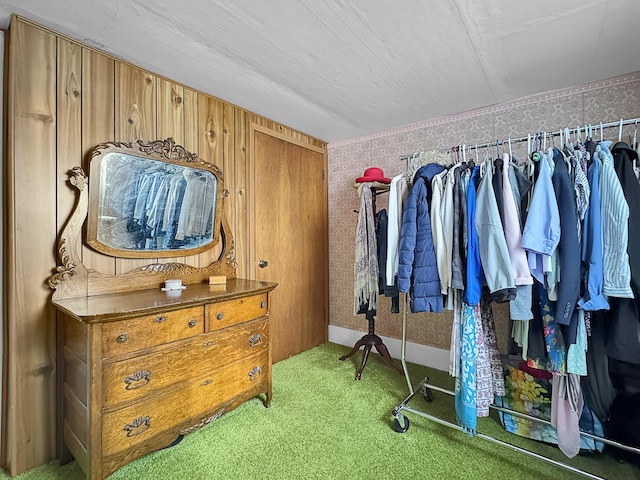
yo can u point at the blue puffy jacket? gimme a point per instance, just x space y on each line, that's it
418 269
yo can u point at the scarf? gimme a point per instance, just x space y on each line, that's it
365 268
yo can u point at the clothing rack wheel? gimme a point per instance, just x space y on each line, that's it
400 423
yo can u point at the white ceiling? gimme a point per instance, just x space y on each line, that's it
338 69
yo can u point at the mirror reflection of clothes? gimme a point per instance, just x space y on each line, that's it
197 208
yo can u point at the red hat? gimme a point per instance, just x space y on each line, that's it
373 174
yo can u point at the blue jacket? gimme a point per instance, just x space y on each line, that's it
475 275
417 268
593 298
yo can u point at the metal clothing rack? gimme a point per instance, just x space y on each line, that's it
598 128
401 422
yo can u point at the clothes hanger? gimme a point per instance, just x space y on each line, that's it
535 154
487 157
620 131
601 133
483 166
635 144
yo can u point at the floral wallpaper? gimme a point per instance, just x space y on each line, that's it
605 101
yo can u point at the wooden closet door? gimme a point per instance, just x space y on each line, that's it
291 223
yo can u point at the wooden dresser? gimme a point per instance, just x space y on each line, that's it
141 368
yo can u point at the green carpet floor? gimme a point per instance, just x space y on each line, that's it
323 424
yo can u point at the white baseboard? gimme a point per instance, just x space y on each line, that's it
414 352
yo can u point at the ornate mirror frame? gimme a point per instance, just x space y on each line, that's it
73 279
119 202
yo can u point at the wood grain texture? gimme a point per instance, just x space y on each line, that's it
290 175
30 176
135 119
170 111
223 314
191 401
117 103
69 155
190 102
151 330
146 375
69 128
94 387
171 122
211 149
241 171
98 96
167 378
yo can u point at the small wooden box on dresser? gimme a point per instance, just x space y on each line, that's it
140 366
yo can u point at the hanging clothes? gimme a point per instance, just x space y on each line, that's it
417 269
593 298
366 261
558 246
624 343
568 246
460 182
614 212
492 244
437 229
475 276
447 218
398 193
465 385
541 233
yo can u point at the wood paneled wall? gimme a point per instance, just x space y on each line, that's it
64 98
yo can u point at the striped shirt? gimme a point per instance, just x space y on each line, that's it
614 212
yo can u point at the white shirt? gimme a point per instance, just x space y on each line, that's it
398 193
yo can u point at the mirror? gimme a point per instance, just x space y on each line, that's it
152 199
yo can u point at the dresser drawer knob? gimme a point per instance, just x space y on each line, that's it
263 304
255 340
122 338
220 316
192 323
138 426
137 380
160 319
255 373
208 344
206 382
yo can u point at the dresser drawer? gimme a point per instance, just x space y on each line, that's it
143 332
193 401
147 374
223 314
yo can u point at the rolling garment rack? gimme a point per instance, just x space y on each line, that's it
400 422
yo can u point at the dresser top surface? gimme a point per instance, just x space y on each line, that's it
117 306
